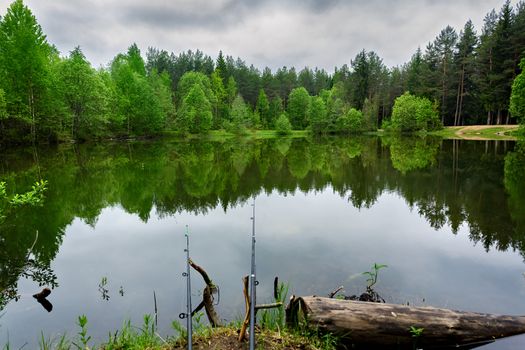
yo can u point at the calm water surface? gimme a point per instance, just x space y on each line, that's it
447 217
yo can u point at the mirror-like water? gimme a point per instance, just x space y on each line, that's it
446 217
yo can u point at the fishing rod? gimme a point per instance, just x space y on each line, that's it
253 283
186 274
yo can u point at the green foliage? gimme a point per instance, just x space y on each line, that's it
195 114
231 91
135 60
316 114
263 109
514 182
517 98
409 154
240 116
275 319
129 337
282 125
370 112
33 197
59 343
413 113
3 105
351 122
83 334
161 85
220 109
373 274
298 103
137 102
189 80
84 94
24 67
276 109
416 332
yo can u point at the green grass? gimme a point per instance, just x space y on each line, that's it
222 135
224 338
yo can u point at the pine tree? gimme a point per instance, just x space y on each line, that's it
445 44
263 109
503 59
485 65
464 60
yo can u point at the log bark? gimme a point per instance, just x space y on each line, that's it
387 325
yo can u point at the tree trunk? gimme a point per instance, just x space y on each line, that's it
33 117
459 98
389 325
444 90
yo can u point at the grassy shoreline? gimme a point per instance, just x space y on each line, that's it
204 337
480 132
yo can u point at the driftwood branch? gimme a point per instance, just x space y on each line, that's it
203 273
268 306
245 323
207 297
245 292
335 291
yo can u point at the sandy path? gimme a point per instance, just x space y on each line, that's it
470 132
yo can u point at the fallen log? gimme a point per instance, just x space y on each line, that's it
385 325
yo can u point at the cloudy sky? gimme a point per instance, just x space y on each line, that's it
273 33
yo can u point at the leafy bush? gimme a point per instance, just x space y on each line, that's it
517 98
413 113
351 122
317 115
282 125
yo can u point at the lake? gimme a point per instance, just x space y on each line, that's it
447 217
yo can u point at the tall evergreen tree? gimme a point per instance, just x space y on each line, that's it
503 62
485 65
445 44
220 66
414 73
263 109
464 63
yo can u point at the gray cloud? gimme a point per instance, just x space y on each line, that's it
263 32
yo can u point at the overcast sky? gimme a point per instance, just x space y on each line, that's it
273 33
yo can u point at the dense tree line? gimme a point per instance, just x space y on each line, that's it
45 97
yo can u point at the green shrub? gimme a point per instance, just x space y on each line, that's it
282 125
413 113
351 122
517 98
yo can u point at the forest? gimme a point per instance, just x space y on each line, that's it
457 79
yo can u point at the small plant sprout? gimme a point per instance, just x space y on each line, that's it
415 331
373 274
84 338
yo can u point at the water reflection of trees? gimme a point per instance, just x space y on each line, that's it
447 182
